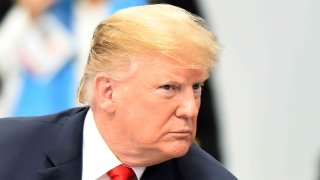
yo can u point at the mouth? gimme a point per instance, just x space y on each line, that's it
182 133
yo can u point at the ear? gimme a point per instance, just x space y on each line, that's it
103 92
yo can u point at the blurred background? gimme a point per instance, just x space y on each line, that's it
260 115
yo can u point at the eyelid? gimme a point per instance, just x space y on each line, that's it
174 85
168 86
198 86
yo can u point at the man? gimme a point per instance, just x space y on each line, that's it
142 86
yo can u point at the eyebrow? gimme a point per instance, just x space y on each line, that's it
170 80
200 77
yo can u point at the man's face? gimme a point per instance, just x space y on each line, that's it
157 107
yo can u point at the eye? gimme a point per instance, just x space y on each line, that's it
168 90
197 86
167 87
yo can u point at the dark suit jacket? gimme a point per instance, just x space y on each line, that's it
50 148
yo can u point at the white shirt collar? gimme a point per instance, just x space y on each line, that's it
97 157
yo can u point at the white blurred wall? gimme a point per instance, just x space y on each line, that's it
268 85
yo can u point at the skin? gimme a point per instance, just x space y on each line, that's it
150 115
36 7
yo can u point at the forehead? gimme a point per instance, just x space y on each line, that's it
157 66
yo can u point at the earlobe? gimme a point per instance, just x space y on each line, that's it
104 88
108 107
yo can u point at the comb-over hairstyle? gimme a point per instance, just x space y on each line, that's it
160 29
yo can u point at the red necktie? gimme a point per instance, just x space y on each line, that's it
121 172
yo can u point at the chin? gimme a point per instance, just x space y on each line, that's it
179 149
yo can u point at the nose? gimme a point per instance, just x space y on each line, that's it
188 106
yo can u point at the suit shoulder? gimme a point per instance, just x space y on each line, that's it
58 117
198 163
15 129
26 141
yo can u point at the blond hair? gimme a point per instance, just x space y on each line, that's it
163 29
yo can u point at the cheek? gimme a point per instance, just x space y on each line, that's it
152 117
195 119
194 125
150 121
149 108
146 115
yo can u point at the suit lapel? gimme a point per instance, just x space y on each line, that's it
66 155
68 171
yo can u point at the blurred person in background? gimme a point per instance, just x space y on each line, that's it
142 94
42 52
35 60
4 7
